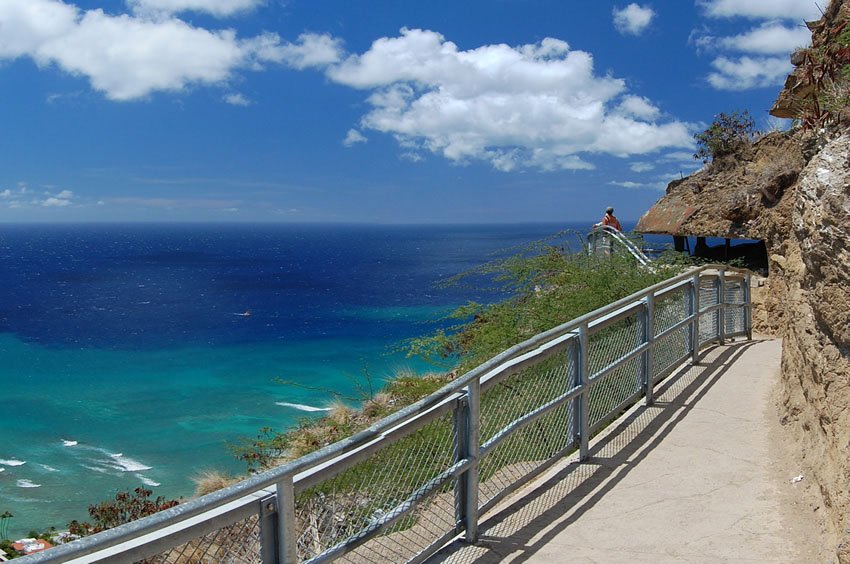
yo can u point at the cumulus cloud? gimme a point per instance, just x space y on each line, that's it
6 193
353 137
745 73
126 56
765 47
638 107
218 8
762 9
769 38
539 105
633 19
311 50
236 99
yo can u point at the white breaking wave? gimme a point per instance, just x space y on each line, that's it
2 469
302 407
147 481
95 468
13 462
126 464
49 468
66 442
111 462
27 484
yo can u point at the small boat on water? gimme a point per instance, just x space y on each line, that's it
247 313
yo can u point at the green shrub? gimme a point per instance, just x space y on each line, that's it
548 288
126 507
725 136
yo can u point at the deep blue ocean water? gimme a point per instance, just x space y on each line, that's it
127 359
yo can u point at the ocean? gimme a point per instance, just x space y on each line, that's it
134 355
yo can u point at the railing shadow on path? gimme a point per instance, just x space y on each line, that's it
523 526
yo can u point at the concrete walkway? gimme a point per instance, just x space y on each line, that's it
689 479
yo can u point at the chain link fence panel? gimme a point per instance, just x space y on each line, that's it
509 400
348 504
236 544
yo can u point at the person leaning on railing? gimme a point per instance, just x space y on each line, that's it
610 220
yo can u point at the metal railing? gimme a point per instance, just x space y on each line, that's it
411 482
603 240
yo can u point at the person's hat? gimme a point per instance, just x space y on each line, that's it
609 209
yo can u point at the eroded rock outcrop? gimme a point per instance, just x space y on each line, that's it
816 351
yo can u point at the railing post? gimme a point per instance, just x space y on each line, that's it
748 306
583 403
269 530
286 534
721 311
695 285
467 446
649 339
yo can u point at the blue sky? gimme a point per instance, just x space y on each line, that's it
384 111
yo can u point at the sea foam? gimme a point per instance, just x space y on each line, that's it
301 407
126 464
147 481
27 484
13 462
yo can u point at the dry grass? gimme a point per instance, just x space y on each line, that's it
209 481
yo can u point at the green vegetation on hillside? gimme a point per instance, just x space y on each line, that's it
547 286
725 136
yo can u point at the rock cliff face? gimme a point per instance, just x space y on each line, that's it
792 190
816 348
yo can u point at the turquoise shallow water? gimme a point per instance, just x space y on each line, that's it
126 362
154 417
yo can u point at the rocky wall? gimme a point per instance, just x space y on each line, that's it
815 273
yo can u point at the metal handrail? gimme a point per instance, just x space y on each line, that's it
270 495
603 237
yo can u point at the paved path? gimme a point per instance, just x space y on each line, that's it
687 480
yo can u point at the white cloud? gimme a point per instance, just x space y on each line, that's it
311 50
638 107
28 24
6 193
769 39
641 167
128 57
218 8
412 157
745 73
538 105
61 199
765 47
236 99
762 9
678 156
353 137
56 202
633 19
